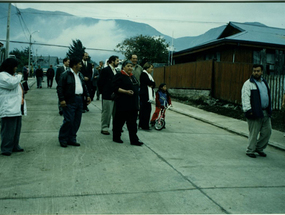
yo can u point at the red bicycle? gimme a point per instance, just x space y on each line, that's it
160 121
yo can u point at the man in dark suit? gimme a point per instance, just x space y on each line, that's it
59 71
95 76
71 88
50 75
86 71
105 88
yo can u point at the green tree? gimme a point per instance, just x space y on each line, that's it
22 57
76 50
153 49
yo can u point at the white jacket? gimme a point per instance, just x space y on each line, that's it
10 95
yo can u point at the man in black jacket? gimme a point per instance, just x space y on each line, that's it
50 75
105 88
70 90
39 75
86 71
59 71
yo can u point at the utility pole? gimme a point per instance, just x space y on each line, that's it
8 32
29 66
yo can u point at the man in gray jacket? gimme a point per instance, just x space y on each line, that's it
256 104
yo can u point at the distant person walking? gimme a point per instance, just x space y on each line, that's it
86 71
50 76
94 79
39 75
71 88
256 104
12 107
105 88
99 69
25 72
146 96
59 71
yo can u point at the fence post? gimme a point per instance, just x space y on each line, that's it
212 91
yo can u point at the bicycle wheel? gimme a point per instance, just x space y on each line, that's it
159 124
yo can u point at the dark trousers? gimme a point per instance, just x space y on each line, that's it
145 110
89 88
72 118
130 117
10 133
39 81
93 91
49 81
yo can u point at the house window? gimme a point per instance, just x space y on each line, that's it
213 56
270 59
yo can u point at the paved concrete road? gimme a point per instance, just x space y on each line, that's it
190 167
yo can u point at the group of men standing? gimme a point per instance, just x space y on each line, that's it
77 89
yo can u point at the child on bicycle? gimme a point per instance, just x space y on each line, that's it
162 100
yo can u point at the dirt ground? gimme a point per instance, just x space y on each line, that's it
233 110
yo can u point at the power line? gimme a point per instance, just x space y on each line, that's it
59 46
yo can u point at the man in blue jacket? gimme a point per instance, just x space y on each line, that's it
256 104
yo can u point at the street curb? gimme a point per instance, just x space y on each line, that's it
271 143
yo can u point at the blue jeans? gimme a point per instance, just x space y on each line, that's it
72 114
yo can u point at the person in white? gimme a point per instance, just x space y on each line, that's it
12 106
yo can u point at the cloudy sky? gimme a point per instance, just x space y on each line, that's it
175 19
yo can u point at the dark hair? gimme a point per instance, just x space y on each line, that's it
112 58
65 59
160 88
74 61
126 62
8 65
147 65
258 65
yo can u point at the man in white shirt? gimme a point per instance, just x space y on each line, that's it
71 89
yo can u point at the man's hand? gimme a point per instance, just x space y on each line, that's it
86 79
63 104
130 92
88 100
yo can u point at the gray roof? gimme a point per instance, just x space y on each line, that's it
246 32
258 33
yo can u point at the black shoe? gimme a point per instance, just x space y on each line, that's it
73 144
60 113
251 155
63 144
87 109
6 153
137 143
105 132
118 140
18 150
262 154
83 111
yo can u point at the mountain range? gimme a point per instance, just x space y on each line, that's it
99 36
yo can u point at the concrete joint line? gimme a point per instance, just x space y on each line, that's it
185 178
